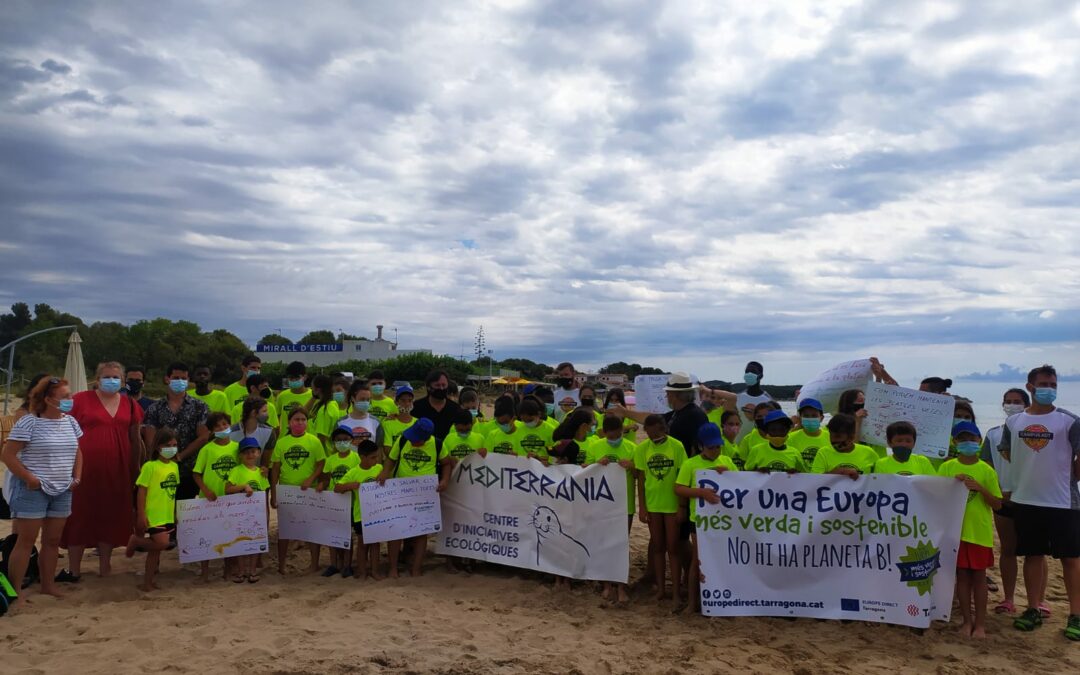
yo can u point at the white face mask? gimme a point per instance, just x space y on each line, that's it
168 451
1013 408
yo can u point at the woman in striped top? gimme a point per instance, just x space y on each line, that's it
42 454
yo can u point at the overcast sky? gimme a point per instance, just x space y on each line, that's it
682 184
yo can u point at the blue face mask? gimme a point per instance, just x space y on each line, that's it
65 405
811 424
178 386
1045 395
614 442
168 451
550 408
296 384
362 406
339 397
592 429
252 373
506 427
474 412
901 452
378 389
110 385
464 435
968 448
750 379
222 434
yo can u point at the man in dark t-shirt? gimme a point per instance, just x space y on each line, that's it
436 406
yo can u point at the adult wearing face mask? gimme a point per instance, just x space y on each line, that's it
184 415
748 399
237 391
566 388
1042 445
685 417
112 452
134 377
437 406
42 454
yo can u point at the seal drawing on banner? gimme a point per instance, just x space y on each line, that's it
550 536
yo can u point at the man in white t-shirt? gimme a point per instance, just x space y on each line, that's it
749 398
566 384
1042 446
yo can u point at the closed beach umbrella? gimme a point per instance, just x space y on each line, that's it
75 370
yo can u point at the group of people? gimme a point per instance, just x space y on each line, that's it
104 468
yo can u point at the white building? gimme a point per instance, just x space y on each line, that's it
378 349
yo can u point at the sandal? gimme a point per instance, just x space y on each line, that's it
66 577
253 578
1005 607
991 585
1044 609
1028 621
239 578
1072 628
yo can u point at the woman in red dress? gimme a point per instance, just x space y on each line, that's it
101 509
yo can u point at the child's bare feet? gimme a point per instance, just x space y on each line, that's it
145 587
623 596
606 593
376 576
50 590
979 633
964 629
281 570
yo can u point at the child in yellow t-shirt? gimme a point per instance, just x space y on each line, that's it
156 504
339 462
298 461
976 551
368 470
216 459
657 462
248 477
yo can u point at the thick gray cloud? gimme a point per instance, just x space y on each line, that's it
667 182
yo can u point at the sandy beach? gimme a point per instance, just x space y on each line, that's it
495 621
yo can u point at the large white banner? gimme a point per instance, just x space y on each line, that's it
932 415
229 526
565 519
402 508
319 517
881 548
649 394
828 386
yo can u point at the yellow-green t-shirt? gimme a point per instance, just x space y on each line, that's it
271 412
485 427
214 462
861 458
160 479
502 443
337 466
322 422
416 461
536 440
917 465
978 516
459 448
599 448
359 474
715 415
393 427
660 464
235 394
808 445
215 400
288 401
298 457
253 478
688 473
748 442
383 408
765 456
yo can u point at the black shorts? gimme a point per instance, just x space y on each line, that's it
162 529
187 488
1007 510
685 528
358 528
1041 530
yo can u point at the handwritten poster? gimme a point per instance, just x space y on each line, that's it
828 386
229 526
402 508
932 415
319 517
650 395
881 548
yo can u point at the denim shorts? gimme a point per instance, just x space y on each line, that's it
35 504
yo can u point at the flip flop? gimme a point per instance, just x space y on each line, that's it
1028 621
1044 609
239 578
253 578
1005 607
66 577
991 585
1072 628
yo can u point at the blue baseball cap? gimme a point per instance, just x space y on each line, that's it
402 390
341 428
965 427
812 403
777 416
529 388
709 435
248 442
420 431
